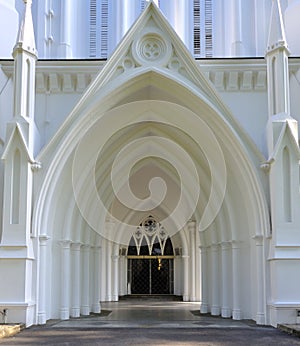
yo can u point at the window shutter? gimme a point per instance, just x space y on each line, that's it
104 29
197 28
203 28
93 28
142 5
99 19
208 28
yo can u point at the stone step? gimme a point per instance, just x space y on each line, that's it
160 297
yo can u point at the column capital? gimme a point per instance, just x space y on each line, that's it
65 244
191 225
85 247
214 247
43 238
115 257
96 247
235 244
258 239
225 245
76 246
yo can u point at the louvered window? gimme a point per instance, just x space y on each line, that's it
203 28
99 19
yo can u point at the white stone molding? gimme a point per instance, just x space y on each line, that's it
151 48
36 166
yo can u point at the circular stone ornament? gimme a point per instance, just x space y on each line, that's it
151 49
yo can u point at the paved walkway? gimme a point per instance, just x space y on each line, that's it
151 323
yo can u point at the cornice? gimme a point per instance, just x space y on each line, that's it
227 75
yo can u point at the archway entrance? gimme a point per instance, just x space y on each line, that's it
150 260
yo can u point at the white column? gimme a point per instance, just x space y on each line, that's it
177 276
115 295
186 278
215 306
236 18
103 271
65 28
42 279
192 232
225 311
122 275
85 293
236 311
65 280
108 270
204 290
96 307
128 14
260 315
181 19
75 308
168 9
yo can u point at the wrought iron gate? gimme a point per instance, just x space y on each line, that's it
151 275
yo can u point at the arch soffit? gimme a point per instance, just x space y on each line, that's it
71 137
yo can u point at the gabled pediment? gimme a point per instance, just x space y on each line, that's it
286 138
16 140
152 45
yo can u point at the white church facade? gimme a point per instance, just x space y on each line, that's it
158 157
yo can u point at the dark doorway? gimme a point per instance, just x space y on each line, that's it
151 276
150 260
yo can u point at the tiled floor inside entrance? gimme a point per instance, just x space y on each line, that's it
151 314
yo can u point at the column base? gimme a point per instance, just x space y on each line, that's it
75 312
215 311
204 308
236 314
64 314
115 298
108 299
41 319
96 308
226 312
85 310
185 298
260 318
